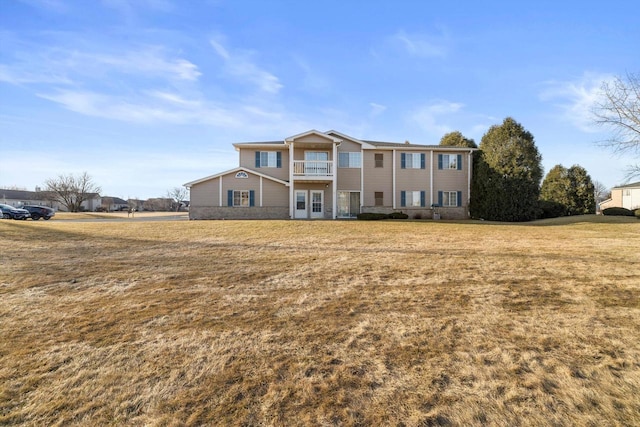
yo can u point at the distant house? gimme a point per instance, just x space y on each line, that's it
22 197
114 203
331 175
624 196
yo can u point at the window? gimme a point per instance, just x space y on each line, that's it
450 198
450 161
379 159
348 204
268 159
412 160
413 199
240 198
349 160
379 195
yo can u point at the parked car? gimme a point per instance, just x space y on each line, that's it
38 212
9 212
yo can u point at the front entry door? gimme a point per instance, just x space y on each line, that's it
301 204
317 204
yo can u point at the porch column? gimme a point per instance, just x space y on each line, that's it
291 184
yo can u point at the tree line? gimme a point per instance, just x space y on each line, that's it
507 168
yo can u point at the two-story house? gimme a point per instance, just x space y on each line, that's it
331 175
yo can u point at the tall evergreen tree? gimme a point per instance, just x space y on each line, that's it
582 199
456 139
506 184
571 188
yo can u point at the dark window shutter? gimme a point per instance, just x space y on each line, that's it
257 159
439 198
459 162
423 198
279 159
230 198
422 161
403 198
459 198
252 198
440 161
403 161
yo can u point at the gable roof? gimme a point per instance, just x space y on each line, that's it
312 132
234 170
632 185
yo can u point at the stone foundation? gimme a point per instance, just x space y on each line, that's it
225 212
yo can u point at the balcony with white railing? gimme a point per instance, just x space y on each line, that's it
312 169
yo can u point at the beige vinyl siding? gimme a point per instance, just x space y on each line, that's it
273 194
413 179
248 160
348 146
314 139
230 182
326 187
451 179
377 179
349 179
206 193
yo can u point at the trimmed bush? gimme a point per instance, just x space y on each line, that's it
369 216
398 215
551 209
617 212
637 213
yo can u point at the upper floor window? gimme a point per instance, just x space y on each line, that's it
450 161
412 160
379 160
350 160
268 159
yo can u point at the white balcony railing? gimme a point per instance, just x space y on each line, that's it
312 168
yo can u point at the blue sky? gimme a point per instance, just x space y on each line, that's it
146 95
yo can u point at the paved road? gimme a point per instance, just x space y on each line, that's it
140 218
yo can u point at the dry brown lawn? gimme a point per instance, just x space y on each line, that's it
286 323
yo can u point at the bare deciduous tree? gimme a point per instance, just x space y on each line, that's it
177 195
619 109
71 191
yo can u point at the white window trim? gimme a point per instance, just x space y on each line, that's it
241 198
352 157
455 199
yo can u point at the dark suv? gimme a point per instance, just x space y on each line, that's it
9 212
38 212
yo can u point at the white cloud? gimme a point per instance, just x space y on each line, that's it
576 99
421 45
430 117
376 109
240 65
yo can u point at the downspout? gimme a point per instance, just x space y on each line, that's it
393 178
431 183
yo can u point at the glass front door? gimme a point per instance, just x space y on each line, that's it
317 204
348 204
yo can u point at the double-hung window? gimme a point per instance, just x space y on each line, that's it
450 161
412 160
415 199
450 198
241 198
268 159
350 160
379 160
